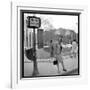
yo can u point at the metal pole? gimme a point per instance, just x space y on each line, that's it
35 68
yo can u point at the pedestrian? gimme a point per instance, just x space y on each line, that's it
58 56
74 49
51 48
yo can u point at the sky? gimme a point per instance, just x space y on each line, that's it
59 21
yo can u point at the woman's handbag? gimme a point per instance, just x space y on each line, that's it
55 62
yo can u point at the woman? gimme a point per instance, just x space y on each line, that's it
59 56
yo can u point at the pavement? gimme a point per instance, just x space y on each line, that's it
46 67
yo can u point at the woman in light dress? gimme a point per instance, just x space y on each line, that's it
58 55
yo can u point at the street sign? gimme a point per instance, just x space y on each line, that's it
33 22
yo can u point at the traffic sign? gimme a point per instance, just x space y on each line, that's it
33 22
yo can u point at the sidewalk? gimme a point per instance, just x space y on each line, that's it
46 67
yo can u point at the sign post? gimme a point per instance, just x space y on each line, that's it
34 22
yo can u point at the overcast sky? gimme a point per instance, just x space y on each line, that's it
60 21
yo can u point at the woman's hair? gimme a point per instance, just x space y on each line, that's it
50 41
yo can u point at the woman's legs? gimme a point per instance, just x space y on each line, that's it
60 60
62 63
63 66
58 66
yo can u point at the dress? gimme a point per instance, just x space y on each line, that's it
58 55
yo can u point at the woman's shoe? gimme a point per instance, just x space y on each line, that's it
64 70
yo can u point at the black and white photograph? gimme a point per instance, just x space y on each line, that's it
49 43
44 44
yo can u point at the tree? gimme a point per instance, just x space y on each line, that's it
46 24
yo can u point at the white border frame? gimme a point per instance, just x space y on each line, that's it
16 82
